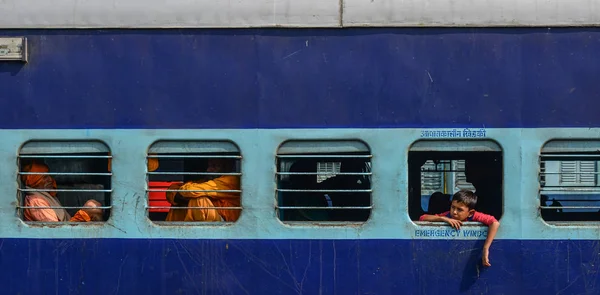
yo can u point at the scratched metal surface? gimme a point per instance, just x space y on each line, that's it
297 267
313 78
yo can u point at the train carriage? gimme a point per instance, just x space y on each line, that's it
341 119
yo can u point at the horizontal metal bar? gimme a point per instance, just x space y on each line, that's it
67 190
570 207
324 173
443 222
567 173
571 186
323 156
37 156
199 191
64 223
65 173
176 207
570 189
191 223
194 173
437 170
324 208
566 155
574 200
196 156
332 223
325 191
65 207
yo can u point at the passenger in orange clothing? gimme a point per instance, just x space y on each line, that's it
41 198
209 202
89 213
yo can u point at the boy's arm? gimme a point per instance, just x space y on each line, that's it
492 230
436 218
433 218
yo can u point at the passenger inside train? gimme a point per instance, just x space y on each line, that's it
435 175
46 196
337 188
211 195
302 179
41 198
90 212
462 209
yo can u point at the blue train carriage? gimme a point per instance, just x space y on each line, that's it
344 121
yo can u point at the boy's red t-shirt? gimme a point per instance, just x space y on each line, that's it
477 217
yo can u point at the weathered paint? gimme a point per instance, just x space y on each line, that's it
362 78
389 219
107 266
246 86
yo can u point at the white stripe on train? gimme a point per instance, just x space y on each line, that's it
294 13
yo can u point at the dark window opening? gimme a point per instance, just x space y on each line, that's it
318 184
435 175
194 182
64 181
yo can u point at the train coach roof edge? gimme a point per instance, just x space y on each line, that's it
25 14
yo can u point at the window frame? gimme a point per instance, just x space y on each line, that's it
551 183
63 149
320 150
453 146
212 148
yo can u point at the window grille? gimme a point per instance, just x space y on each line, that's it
569 189
63 181
323 182
185 187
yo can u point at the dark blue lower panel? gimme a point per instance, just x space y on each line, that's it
111 266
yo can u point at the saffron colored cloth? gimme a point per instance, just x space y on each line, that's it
43 199
214 198
38 181
81 216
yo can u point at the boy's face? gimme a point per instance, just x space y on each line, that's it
460 211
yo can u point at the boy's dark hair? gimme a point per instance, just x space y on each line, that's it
466 197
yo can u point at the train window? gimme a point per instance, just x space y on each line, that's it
323 181
569 188
64 181
438 169
194 181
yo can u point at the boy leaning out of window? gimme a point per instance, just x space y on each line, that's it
463 209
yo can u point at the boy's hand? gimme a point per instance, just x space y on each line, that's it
485 257
453 222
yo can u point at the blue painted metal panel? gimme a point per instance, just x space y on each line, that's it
256 78
109 266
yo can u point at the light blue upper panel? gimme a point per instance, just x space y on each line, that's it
389 218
